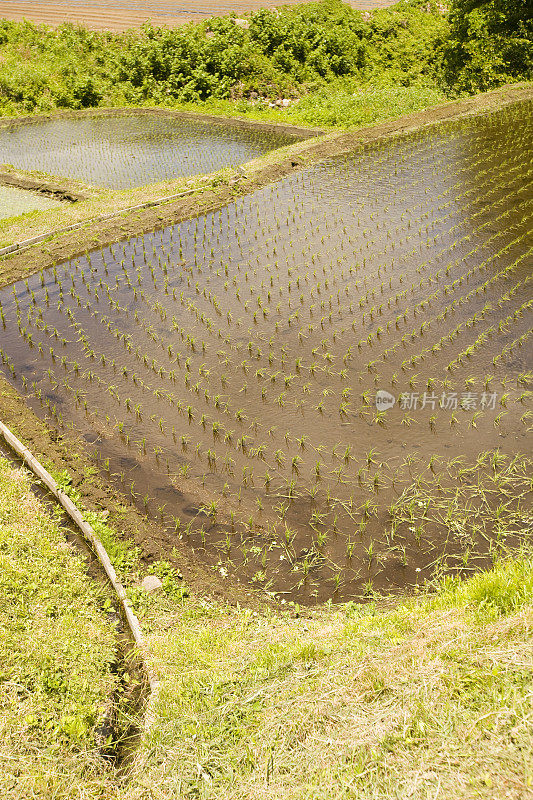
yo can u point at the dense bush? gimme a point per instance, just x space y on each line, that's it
290 52
325 53
490 43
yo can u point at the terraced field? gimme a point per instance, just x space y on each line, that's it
125 151
322 387
118 15
15 201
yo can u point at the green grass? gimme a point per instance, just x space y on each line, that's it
55 652
348 105
326 54
431 699
289 53
341 104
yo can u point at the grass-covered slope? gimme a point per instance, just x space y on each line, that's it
430 700
279 54
334 65
55 651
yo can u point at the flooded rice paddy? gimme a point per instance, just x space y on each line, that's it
120 152
226 369
18 201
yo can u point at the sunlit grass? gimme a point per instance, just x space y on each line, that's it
350 702
55 654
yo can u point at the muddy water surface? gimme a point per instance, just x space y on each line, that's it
225 369
126 151
17 201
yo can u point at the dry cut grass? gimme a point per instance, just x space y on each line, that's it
430 700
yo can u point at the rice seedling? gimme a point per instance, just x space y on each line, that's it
125 151
285 313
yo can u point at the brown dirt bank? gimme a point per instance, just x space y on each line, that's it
214 192
50 189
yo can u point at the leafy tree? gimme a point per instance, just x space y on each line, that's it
490 43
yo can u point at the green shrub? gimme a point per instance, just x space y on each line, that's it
293 52
347 68
490 43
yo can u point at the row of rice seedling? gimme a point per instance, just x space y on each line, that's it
227 368
17 201
121 152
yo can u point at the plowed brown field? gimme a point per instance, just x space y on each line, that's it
118 15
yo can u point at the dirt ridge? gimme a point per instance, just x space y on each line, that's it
41 187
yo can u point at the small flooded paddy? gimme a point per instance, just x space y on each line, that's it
120 152
226 369
19 201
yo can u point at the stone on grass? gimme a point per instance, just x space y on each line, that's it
151 583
